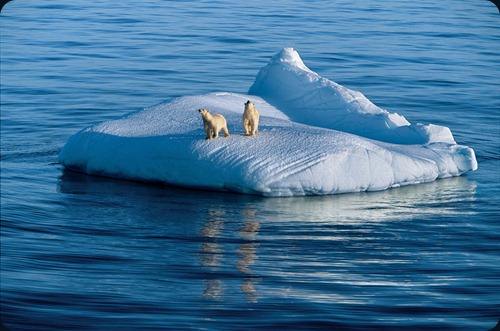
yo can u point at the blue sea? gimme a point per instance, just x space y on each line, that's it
89 253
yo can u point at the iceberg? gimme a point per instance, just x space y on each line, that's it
315 137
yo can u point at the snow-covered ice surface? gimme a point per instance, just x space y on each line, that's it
315 137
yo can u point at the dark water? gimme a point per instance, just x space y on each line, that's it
87 253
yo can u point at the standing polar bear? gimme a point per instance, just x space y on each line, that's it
250 119
213 124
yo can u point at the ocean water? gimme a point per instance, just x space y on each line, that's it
88 253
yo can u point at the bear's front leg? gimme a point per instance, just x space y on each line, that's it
246 127
209 134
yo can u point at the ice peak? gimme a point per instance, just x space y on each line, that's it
307 98
290 56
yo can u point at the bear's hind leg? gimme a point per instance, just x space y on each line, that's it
255 126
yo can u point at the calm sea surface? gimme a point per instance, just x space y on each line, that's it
87 253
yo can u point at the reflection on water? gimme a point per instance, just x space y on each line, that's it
444 197
240 240
247 253
212 252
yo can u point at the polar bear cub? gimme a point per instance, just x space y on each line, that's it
213 124
250 119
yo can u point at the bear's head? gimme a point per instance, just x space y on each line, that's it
203 112
249 105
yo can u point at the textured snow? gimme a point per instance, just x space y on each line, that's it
315 137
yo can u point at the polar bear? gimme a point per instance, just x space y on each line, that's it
213 124
250 119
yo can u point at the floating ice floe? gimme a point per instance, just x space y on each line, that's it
315 137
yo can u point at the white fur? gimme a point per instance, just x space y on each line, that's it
250 119
213 124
